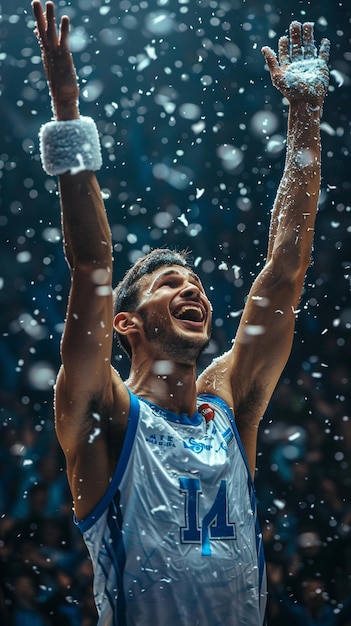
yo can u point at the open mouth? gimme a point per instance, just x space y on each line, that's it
189 313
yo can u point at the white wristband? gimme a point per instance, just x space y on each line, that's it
71 145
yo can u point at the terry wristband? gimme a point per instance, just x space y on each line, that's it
71 145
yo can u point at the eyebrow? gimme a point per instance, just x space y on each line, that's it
170 272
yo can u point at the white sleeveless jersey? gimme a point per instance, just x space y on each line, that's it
175 541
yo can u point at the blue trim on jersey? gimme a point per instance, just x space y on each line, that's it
220 402
259 541
101 507
177 418
117 556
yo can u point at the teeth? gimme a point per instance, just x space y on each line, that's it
191 313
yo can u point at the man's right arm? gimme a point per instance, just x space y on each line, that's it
91 401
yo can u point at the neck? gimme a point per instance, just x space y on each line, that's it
168 384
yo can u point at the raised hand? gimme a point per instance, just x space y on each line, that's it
57 61
300 72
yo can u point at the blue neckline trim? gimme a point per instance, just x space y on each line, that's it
178 418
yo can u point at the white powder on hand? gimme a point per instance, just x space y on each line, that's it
307 72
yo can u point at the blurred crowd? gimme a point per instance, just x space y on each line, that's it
193 148
45 572
303 484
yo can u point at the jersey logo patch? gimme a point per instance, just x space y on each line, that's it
196 446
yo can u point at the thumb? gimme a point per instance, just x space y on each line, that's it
271 58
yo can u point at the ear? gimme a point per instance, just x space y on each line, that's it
127 323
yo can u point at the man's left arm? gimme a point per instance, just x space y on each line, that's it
246 375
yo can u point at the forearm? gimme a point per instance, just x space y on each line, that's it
66 111
87 236
295 206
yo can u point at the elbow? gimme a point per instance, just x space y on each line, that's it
290 260
285 276
94 277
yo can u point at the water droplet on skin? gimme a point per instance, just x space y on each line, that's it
94 434
163 368
254 329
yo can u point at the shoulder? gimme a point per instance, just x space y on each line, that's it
216 380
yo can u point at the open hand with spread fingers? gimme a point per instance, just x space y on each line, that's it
57 60
300 72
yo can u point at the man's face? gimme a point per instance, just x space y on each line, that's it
176 312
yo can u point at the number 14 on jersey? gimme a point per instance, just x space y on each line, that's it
214 524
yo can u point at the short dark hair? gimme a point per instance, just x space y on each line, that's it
126 293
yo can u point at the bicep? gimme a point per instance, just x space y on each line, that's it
246 375
88 333
86 381
90 428
264 338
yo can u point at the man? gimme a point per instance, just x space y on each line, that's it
160 471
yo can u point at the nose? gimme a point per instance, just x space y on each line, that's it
191 291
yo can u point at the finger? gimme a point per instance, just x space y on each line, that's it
283 51
271 58
324 50
40 19
295 41
64 31
309 48
51 24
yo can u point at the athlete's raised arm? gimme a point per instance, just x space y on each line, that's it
89 393
248 374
